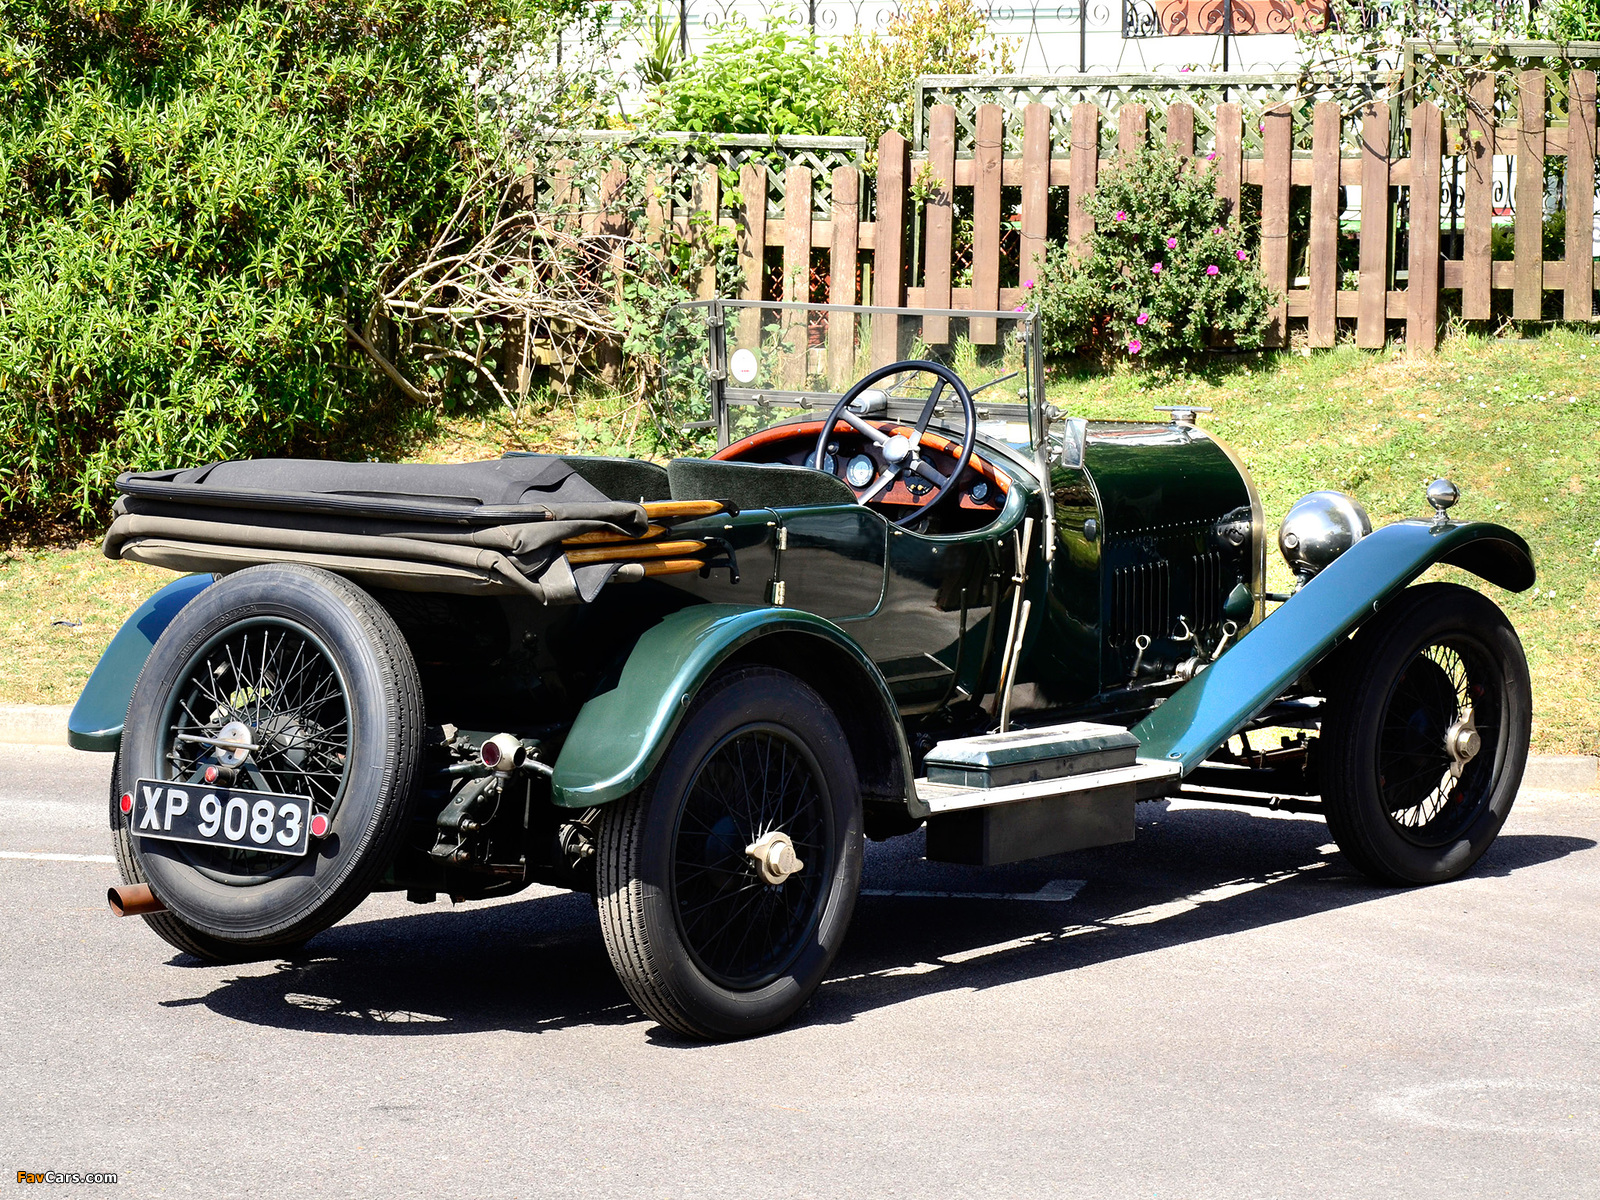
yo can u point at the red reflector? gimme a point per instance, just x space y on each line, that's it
489 752
319 825
211 774
127 802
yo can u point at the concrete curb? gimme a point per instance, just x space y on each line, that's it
46 725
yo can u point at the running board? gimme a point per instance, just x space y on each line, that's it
1151 777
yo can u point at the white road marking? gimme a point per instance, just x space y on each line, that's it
1054 892
36 856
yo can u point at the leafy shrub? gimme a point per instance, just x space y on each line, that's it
926 37
777 80
197 198
1164 276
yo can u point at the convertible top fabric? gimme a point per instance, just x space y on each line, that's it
421 527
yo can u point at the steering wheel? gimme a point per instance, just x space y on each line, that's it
902 454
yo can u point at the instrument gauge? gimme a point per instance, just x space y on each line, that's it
979 492
858 473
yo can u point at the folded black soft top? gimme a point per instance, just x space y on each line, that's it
427 527
500 491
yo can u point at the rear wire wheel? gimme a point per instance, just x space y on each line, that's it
1427 736
311 671
726 883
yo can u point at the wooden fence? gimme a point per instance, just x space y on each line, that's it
1400 277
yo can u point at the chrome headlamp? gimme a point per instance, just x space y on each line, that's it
1320 527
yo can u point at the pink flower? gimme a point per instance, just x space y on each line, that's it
1027 283
1143 318
1020 308
1212 157
1135 346
1241 255
1172 243
1218 229
1213 269
1119 215
1156 270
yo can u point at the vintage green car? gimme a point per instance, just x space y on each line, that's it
904 593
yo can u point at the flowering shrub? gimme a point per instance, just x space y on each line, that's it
1164 276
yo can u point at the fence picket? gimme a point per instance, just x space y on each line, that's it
1323 329
938 231
1035 189
842 252
752 246
888 285
1180 129
796 271
1527 298
1133 125
1478 207
1084 168
1373 303
1579 275
986 216
1229 162
1422 283
706 200
1277 151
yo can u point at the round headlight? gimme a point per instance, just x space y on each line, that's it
1319 528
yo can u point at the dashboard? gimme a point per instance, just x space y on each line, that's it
979 494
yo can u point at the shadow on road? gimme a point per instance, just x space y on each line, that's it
539 964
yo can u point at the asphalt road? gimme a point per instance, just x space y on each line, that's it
1222 1009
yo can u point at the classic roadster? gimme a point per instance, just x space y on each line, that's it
903 593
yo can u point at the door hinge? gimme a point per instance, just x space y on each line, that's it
778 589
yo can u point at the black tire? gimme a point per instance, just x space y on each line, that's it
1434 655
356 730
672 860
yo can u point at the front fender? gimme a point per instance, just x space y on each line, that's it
1212 707
621 734
96 720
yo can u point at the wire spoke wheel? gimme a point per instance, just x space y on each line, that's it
273 681
741 929
1429 793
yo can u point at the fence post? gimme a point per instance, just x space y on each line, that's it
706 201
1527 301
1478 206
1580 197
1276 156
889 284
842 274
1422 284
1373 300
1323 328
1229 166
939 226
1083 170
986 153
1035 190
610 222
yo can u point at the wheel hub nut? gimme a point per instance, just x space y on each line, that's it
774 857
1462 742
232 743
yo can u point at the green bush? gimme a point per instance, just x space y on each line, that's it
1165 275
778 80
196 198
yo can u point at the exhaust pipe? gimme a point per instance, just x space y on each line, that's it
133 900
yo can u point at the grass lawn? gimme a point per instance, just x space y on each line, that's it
1515 424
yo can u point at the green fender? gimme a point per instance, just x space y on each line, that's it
96 720
1212 707
621 734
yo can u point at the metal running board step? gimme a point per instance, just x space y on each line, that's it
947 798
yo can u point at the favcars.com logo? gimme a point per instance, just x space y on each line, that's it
66 1177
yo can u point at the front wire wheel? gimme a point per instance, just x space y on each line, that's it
726 883
1427 736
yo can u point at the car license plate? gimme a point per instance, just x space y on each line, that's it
266 822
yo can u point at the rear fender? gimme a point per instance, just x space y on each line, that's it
96 720
1213 706
621 734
